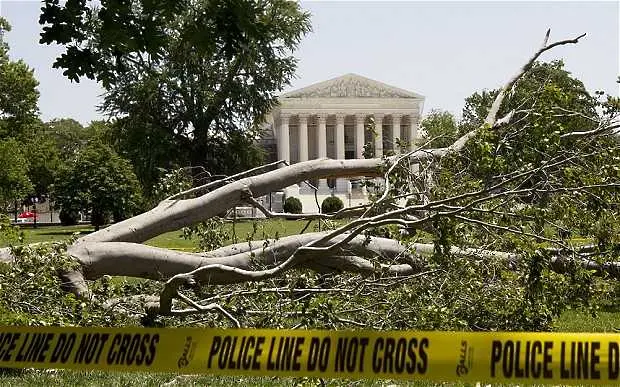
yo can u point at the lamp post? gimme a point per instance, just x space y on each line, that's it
34 211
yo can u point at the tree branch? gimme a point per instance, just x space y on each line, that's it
490 120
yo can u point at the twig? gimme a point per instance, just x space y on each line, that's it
202 308
491 117
224 180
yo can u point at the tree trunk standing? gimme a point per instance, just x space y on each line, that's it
98 218
201 146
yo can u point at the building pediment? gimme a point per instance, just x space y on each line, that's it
351 86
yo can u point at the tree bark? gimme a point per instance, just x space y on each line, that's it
172 215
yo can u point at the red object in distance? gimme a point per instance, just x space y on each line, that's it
27 214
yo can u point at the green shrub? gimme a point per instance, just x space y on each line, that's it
68 217
331 204
100 182
292 205
9 234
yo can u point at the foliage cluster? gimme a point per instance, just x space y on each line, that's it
171 182
18 110
31 291
440 127
100 182
187 81
9 234
18 92
14 182
331 204
209 234
293 205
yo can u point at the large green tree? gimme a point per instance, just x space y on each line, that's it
58 142
14 182
44 161
18 119
100 182
440 128
185 79
18 92
67 134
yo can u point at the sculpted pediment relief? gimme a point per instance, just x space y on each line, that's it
350 86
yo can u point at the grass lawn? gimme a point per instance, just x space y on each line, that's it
238 232
100 378
607 321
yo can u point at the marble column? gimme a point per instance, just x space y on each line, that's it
341 184
321 143
359 135
379 135
413 131
340 136
284 141
413 135
321 136
360 119
284 151
303 137
396 132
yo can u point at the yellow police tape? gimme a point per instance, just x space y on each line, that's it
566 358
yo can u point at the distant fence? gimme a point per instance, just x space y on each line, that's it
42 218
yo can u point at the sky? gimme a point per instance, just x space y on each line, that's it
442 50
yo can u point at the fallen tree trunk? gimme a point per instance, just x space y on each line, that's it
172 215
111 258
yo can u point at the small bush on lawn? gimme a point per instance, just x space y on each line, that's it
69 217
331 204
292 206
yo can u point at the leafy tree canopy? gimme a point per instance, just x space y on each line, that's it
18 92
182 77
44 161
441 127
100 182
67 134
14 182
18 123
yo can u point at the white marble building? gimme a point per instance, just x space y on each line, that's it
335 119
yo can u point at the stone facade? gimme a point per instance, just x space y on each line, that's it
336 118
